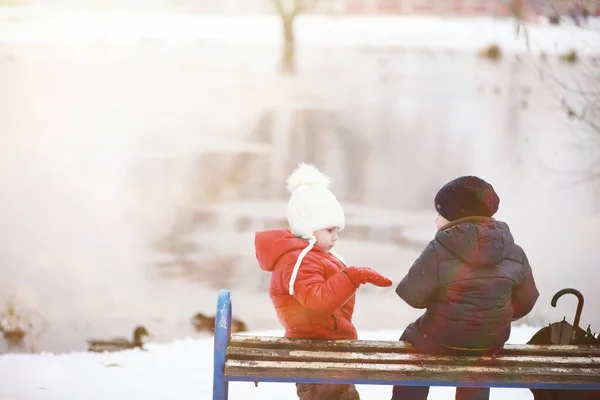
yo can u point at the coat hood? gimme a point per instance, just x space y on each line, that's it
478 241
271 245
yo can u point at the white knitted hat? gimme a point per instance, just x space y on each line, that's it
312 207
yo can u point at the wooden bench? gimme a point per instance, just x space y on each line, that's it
374 362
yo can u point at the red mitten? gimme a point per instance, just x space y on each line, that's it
361 275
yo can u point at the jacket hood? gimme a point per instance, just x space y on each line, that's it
271 245
478 241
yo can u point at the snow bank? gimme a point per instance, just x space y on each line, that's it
181 370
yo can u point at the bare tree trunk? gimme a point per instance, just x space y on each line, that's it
288 18
288 55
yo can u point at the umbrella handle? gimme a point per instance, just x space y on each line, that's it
577 293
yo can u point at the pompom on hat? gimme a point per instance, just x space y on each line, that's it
312 207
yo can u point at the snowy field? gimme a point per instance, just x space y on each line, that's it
180 370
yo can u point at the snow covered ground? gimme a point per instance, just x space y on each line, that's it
36 25
181 370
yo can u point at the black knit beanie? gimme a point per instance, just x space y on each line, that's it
467 196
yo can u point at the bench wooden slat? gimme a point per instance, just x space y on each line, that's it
407 371
391 373
248 353
399 347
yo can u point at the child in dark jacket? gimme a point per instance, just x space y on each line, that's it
472 279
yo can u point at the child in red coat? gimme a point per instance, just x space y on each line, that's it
311 288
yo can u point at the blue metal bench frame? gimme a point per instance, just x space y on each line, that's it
222 337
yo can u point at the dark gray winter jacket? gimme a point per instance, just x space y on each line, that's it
473 280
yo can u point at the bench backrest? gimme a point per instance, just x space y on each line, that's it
390 362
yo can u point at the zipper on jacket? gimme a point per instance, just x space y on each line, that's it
334 322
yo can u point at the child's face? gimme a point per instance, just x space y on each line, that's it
326 238
440 221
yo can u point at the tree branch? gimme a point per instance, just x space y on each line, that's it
298 7
301 6
279 7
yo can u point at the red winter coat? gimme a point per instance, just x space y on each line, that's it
323 300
